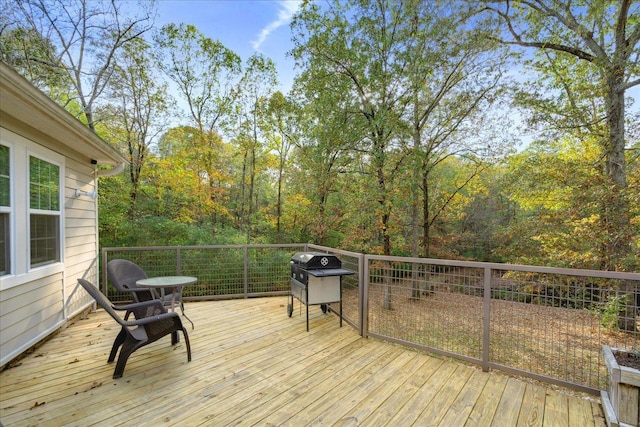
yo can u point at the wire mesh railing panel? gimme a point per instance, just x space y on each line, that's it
269 269
430 305
351 289
220 271
555 325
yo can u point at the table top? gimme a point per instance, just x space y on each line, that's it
168 281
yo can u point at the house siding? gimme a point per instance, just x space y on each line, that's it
31 310
29 313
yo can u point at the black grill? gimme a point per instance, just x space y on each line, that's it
316 279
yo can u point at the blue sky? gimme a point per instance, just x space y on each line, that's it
244 26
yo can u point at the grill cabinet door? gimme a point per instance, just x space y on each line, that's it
323 290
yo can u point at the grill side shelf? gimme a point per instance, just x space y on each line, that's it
329 272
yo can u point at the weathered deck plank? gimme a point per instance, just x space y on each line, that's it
510 403
486 405
253 365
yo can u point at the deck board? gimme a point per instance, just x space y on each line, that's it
486 405
253 365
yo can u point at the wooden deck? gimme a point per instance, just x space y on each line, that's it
253 365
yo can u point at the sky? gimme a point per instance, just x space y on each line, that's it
244 26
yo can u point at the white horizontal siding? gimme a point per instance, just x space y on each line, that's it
80 246
32 310
29 313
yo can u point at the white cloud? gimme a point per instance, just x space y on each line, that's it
286 12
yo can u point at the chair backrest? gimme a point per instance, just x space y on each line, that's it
124 274
102 300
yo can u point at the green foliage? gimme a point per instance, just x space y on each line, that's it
611 310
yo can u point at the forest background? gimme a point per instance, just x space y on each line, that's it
402 133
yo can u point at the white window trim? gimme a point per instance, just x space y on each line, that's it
20 150
58 213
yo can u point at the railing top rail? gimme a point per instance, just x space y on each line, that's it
334 250
150 248
512 267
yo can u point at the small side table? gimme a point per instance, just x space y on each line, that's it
176 282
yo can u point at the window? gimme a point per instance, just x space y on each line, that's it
5 204
5 195
31 210
44 208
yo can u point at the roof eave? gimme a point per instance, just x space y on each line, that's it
20 101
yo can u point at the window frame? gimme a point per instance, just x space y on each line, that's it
38 212
21 271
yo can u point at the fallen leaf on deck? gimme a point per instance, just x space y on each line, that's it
95 385
35 405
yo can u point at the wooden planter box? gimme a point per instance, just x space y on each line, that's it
621 403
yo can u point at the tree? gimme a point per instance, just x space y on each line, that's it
361 42
330 131
183 191
409 72
204 71
141 109
87 36
280 127
252 94
454 79
604 35
18 48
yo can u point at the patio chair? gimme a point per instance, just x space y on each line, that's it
124 274
152 323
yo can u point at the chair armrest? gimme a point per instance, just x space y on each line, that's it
144 309
135 305
150 319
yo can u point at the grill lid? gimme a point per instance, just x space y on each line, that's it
315 260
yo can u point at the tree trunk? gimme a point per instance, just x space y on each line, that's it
415 209
617 221
426 227
279 205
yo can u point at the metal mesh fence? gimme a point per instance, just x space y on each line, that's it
555 324
432 305
540 323
222 271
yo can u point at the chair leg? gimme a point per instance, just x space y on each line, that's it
116 344
127 350
186 341
185 316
